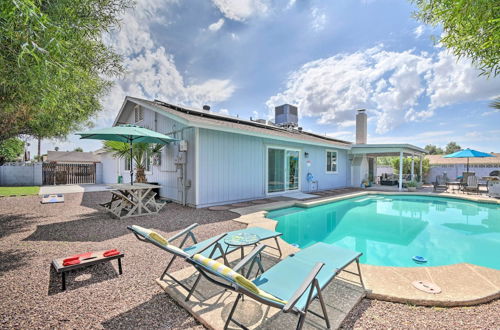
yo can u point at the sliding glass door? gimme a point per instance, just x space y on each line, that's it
282 170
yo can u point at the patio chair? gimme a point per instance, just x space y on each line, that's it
472 185
213 247
440 184
290 285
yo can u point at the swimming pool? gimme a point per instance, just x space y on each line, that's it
391 229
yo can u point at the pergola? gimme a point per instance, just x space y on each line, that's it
401 150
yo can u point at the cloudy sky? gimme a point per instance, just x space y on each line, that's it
329 58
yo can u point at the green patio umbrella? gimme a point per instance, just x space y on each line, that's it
468 153
129 134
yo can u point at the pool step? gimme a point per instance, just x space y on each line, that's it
283 212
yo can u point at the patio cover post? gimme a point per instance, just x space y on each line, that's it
412 167
420 170
400 182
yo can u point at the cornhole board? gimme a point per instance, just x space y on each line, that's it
95 258
52 198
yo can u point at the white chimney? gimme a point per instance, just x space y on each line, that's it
361 127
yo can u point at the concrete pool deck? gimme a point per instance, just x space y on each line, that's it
461 284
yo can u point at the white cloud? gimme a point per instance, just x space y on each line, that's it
217 25
241 10
453 81
318 21
223 112
395 86
151 71
290 4
342 135
419 31
492 112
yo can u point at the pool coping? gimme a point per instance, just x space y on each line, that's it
462 284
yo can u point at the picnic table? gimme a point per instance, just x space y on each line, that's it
133 200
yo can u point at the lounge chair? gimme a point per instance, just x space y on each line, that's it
290 285
212 248
472 185
440 184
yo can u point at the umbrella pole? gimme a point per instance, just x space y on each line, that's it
131 169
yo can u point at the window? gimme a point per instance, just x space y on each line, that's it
331 161
138 113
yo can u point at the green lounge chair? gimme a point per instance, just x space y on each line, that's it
214 247
290 285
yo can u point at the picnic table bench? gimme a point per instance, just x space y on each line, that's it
95 258
133 200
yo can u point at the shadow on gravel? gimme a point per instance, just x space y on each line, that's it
82 277
15 223
151 315
355 314
98 227
13 259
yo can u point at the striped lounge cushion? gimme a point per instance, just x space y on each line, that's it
159 239
233 276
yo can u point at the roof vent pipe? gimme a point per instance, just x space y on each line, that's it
361 127
206 107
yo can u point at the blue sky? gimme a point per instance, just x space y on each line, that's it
328 57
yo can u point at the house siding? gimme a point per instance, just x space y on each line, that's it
229 167
167 173
232 167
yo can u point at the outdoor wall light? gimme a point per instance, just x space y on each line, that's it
306 154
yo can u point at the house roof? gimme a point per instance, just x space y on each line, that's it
211 120
440 160
379 150
72 156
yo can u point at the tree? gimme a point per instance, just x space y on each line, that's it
470 29
433 150
78 149
54 66
140 154
11 149
451 148
495 104
407 166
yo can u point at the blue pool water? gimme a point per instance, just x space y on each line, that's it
391 229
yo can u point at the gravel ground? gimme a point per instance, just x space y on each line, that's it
31 235
374 314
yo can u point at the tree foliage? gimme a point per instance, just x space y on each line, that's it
471 28
433 150
78 149
54 66
407 166
495 104
11 149
451 148
140 154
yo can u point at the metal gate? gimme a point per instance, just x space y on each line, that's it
54 173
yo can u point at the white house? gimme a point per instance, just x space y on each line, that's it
223 159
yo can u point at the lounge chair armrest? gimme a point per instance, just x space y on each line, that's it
303 287
249 257
183 232
215 241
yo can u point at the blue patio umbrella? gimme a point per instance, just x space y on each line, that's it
129 134
468 153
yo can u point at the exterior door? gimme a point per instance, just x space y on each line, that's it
282 170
